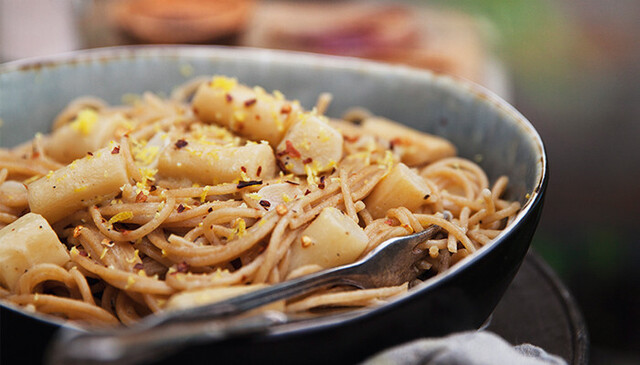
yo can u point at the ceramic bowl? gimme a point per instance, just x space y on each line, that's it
481 125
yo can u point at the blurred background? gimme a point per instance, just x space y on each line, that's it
571 67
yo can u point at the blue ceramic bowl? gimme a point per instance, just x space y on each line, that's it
476 121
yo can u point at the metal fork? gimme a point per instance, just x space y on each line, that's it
391 263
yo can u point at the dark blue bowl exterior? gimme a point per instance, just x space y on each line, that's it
461 299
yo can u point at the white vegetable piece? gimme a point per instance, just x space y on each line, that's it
190 299
402 187
310 144
252 113
277 194
13 193
82 183
27 242
332 239
87 133
212 164
414 148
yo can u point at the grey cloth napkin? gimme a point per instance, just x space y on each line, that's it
466 348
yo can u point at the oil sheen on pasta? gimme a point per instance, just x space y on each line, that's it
162 204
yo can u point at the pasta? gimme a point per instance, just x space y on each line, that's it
161 204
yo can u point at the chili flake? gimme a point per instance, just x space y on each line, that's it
181 143
244 184
291 150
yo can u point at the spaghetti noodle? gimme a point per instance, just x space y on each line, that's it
124 211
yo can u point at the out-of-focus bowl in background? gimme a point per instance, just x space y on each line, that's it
481 125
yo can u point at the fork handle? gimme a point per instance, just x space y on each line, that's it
255 299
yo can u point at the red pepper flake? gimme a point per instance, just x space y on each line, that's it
389 221
257 117
90 153
141 197
182 267
115 150
181 143
286 109
264 203
291 182
210 209
180 208
321 184
83 253
35 153
139 266
291 150
244 169
259 171
153 188
307 192
250 102
228 97
307 160
244 184
351 139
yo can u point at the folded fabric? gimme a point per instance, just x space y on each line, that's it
466 348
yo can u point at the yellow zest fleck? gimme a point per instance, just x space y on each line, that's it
164 254
145 155
254 196
261 222
205 192
130 281
85 121
224 83
240 227
311 171
239 115
306 241
49 174
527 196
104 252
285 198
142 273
324 136
122 216
80 189
135 258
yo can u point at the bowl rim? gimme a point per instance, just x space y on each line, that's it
347 64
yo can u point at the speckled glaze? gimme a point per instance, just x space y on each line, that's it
482 126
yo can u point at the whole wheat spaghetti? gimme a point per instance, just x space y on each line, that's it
161 204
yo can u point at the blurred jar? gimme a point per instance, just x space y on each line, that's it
181 21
